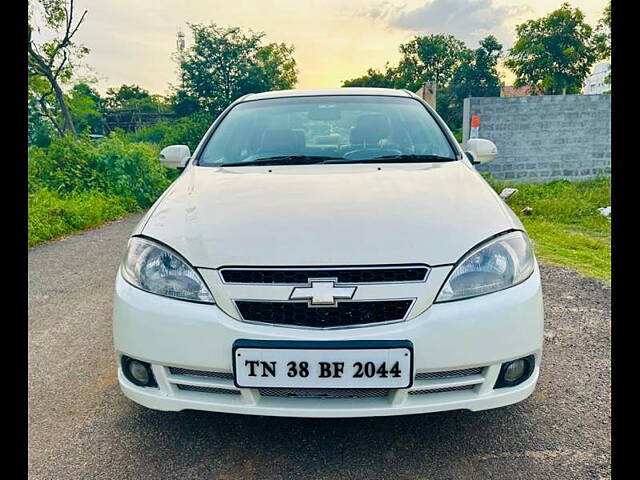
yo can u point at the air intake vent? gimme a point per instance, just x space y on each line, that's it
200 373
442 390
345 314
324 392
195 388
301 275
449 374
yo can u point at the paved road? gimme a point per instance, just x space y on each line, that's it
81 426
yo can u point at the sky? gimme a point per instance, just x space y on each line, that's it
132 41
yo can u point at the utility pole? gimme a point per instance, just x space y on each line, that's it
428 93
180 42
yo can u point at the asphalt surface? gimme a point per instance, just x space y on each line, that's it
81 426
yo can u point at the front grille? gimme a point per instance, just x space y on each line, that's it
195 388
200 373
441 390
343 315
343 275
324 392
449 374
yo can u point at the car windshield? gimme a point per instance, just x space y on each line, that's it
326 129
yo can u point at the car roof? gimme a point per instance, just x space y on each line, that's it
328 91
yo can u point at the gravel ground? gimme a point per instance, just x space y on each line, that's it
81 426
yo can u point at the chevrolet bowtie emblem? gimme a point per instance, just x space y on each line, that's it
322 292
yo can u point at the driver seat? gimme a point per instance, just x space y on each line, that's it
283 141
370 129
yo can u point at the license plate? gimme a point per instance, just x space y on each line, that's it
350 364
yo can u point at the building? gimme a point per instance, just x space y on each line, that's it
508 91
595 83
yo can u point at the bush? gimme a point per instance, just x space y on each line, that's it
183 131
129 171
78 183
51 215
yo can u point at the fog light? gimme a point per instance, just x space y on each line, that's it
515 372
138 372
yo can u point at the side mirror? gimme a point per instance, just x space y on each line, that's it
481 150
175 156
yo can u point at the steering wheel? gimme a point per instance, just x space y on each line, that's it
364 153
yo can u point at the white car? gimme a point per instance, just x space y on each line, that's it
328 253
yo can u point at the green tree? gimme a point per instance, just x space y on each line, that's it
375 78
553 54
603 34
603 38
475 76
133 97
53 61
275 68
85 105
225 63
130 107
40 129
431 58
183 104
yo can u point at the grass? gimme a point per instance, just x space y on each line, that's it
52 216
565 224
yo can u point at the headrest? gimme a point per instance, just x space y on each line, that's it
280 141
370 129
301 140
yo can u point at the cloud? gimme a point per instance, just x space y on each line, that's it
468 20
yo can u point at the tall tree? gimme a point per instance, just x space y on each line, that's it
133 97
475 76
603 38
603 34
275 68
375 78
130 107
225 63
431 58
53 60
40 129
553 54
85 105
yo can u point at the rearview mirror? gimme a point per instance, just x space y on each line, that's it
175 156
481 150
324 112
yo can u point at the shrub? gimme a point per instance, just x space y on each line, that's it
78 183
130 171
183 131
51 215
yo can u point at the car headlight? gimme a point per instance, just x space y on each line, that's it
156 269
499 263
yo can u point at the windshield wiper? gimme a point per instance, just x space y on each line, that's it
315 159
404 158
282 160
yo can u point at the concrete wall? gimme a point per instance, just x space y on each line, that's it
546 137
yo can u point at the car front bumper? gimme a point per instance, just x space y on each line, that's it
480 332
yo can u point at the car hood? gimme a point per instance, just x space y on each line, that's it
327 214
